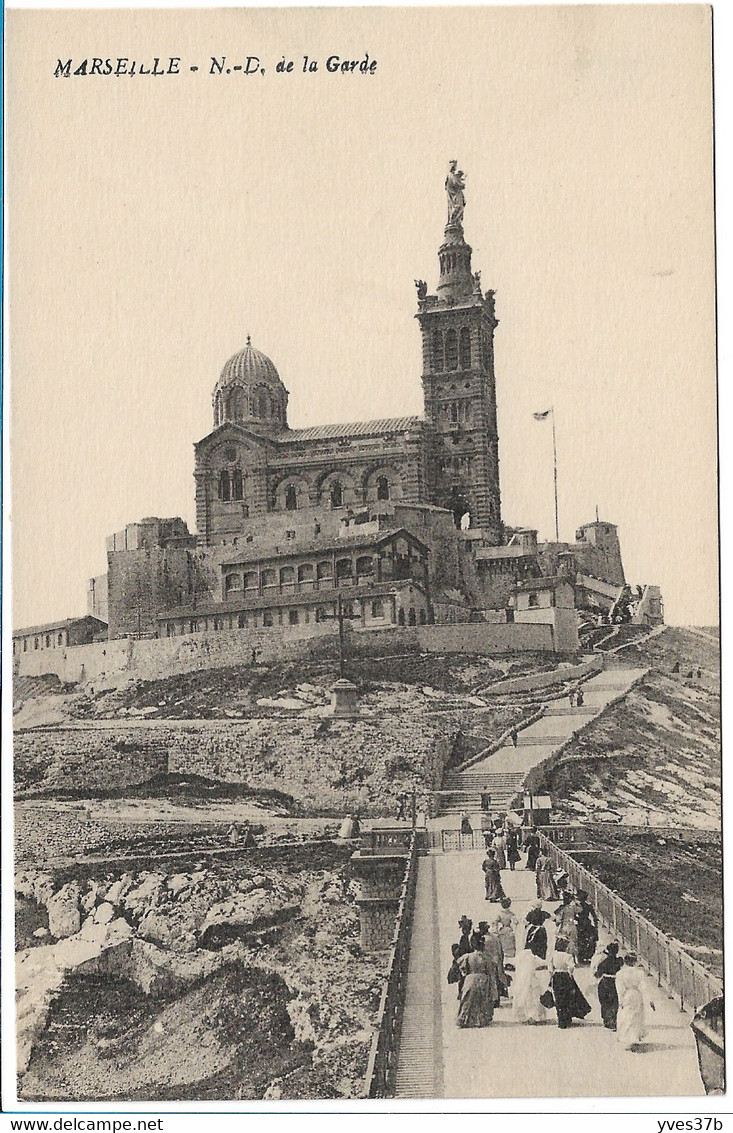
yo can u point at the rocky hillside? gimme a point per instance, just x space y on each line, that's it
654 757
222 980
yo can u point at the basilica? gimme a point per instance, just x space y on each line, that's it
397 521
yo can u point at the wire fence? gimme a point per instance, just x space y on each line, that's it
382 1067
687 981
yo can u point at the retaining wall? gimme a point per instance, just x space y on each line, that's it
111 663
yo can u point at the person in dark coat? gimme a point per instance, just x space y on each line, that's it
466 827
532 846
536 938
605 973
463 947
512 847
587 928
570 1003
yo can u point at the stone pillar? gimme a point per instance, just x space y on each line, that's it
343 700
381 880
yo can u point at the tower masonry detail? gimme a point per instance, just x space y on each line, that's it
459 387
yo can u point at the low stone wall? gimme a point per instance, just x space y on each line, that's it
543 680
486 637
107 664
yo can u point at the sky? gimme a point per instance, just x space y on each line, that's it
155 222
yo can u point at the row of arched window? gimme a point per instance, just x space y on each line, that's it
271 578
335 497
452 349
236 404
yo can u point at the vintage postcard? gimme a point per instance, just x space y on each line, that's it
365 637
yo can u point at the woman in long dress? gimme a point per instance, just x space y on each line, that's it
512 848
480 990
566 923
527 989
587 928
570 1003
545 877
492 877
606 973
506 926
499 848
532 846
632 998
536 938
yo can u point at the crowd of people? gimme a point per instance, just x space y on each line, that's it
504 961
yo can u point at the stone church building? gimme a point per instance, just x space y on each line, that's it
396 519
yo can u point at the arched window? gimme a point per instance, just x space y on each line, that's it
267 618
232 582
262 404
61 639
305 574
382 488
269 578
25 645
242 621
465 350
291 498
401 617
412 617
337 494
237 484
224 485
451 350
236 405
454 412
423 617
218 411
324 573
438 356
364 565
287 576
251 583
344 570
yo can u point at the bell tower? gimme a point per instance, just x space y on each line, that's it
459 389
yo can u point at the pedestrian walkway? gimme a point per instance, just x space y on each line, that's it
540 740
509 1060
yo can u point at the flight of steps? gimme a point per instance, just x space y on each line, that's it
464 790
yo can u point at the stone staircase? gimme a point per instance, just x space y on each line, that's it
462 790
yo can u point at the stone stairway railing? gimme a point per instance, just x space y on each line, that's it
382 1066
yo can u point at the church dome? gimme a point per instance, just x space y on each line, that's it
249 366
249 391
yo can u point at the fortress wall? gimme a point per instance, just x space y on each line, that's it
108 664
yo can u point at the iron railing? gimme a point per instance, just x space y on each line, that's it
382 1067
686 980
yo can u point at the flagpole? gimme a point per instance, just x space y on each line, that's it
554 456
